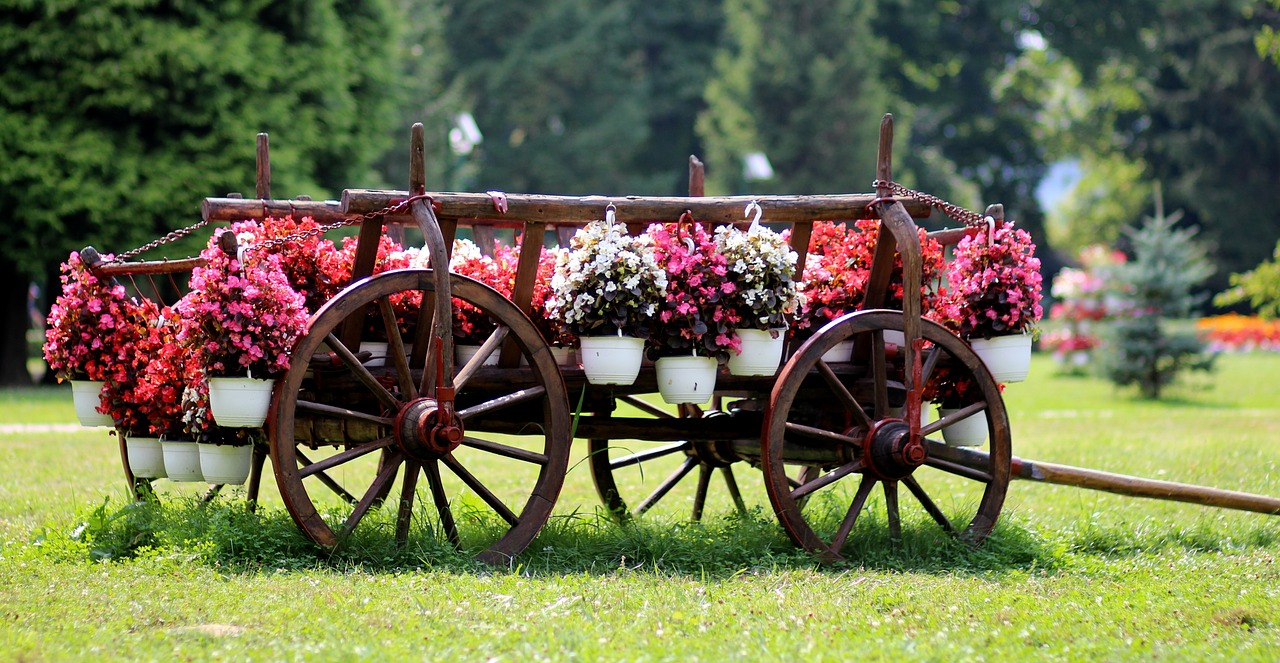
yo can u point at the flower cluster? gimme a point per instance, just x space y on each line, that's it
950 388
694 316
607 283
555 332
307 259
839 266
760 263
241 316
995 284
132 343
159 391
1239 333
80 341
498 271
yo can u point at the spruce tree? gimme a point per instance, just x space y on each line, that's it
1169 264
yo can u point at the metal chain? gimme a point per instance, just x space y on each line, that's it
389 210
271 243
965 216
171 237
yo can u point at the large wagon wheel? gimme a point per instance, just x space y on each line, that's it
341 436
850 426
633 477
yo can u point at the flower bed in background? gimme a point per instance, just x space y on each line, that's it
1239 333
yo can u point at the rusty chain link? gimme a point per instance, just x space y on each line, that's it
277 241
965 216
171 237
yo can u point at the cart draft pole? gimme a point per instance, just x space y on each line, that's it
1120 484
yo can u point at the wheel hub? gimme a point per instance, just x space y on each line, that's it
424 429
889 451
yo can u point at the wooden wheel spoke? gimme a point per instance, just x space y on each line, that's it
441 500
504 450
395 347
968 463
343 413
481 490
891 511
489 346
667 485
700 494
514 398
345 456
731 484
646 407
930 363
827 479
843 395
362 374
404 513
880 374
820 434
851 516
927 502
650 454
372 495
326 479
935 426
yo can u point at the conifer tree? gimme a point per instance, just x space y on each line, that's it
1169 265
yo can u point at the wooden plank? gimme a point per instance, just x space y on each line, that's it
631 209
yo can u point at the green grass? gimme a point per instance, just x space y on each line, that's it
1069 574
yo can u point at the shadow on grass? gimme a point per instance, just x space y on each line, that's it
226 535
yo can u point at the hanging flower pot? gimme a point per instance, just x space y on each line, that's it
761 352
466 352
968 432
1007 357
611 359
686 379
563 356
841 352
146 458
182 460
224 463
240 402
84 394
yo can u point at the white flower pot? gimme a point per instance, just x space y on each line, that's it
894 337
611 359
225 464
464 353
146 458
182 460
84 395
686 379
563 356
761 353
240 402
968 432
1007 357
843 351
379 352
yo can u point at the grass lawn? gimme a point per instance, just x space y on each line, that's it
1069 574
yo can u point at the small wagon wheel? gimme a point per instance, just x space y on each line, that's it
633 477
849 424
344 430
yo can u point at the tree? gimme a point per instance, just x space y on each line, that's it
799 81
574 96
1161 282
1206 114
1259 286
118 116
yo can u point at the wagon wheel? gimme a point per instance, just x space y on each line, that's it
672 474
342 436
858 439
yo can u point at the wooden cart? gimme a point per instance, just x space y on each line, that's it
834 440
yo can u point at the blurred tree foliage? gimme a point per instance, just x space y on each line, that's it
118 116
